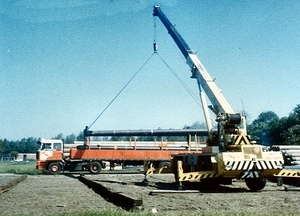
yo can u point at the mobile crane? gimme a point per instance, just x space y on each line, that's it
237 156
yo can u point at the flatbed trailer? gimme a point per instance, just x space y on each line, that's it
55 156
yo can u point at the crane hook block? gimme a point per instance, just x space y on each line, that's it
155 46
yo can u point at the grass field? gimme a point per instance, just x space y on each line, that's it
20 168
29 168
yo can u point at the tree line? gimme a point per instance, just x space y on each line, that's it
10 149
268 129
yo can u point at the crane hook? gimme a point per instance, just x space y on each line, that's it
155 46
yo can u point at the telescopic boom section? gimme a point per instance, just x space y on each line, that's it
184 48
220 106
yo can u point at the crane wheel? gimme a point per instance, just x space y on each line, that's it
94 167
54 168
256 184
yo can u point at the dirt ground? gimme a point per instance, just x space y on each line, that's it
47 194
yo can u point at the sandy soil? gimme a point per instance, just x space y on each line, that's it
42 195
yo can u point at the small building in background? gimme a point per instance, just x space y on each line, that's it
26 157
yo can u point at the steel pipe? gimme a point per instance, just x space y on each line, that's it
150 132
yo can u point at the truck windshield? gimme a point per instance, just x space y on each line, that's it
46 146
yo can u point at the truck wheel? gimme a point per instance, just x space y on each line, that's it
165 164
54 168
94 167
256 184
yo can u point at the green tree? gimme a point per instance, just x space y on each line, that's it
59 136
196 125
22 146
70 138
277 127
285 130
292 135
1 146
32 144
116 138
6 146
295 115
259 129
145 138
80 136
14 154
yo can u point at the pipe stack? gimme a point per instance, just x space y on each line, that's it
291 154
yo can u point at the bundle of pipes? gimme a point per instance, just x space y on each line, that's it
150 132
139 143
291 154
67 148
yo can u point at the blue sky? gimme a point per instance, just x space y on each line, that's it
62 62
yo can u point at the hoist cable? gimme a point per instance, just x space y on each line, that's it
154 30
191 93
155 47
181 81
121 91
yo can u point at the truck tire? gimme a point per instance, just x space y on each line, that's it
54 168
256 184
165 164
94 167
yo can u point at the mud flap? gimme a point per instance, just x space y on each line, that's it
253 173
250 174
254 179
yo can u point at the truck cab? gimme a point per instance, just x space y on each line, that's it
54 144
49 152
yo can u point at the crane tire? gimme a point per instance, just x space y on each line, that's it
256 184
94 167
54 168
